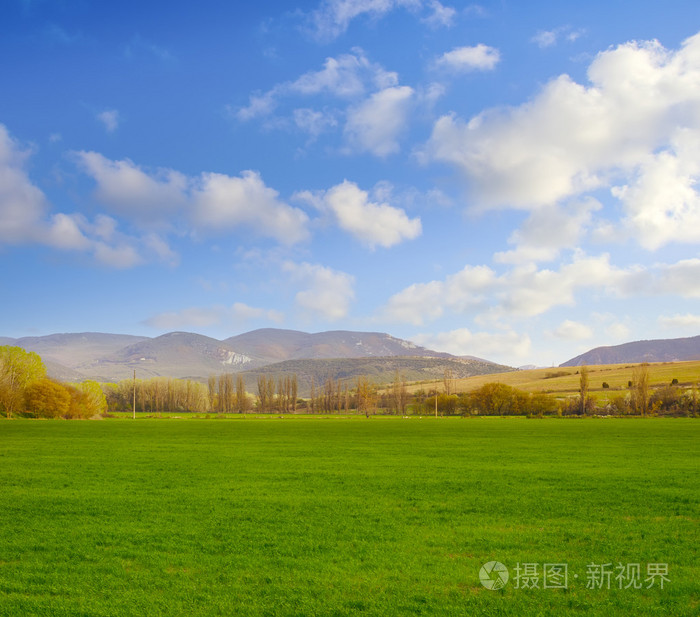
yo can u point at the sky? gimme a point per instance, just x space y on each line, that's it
516 181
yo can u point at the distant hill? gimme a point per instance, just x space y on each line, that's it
381 370
176 354
658 350
73 350
275 345
112 357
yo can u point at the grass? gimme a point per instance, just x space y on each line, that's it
564 381
342 516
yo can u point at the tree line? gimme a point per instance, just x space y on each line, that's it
25 389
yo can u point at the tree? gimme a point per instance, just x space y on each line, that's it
583 390
399 394
449 381
95 400
366 395
295 392
46 398
640 389
241 396
18 369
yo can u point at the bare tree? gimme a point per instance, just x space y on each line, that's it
640 388
583 389
449 381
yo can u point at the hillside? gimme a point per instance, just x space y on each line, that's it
275 345
658 350
381 370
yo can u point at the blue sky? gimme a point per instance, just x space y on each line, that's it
511 180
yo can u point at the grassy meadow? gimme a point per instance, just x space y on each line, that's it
565 381
343 516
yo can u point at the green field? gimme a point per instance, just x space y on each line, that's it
344 516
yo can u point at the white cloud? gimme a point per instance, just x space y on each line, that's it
22 205
489 345
110 119
688 322
465 59
573 331
570 138
548 231
346 76
617 331
326 293
545 38
441 16
549 38
314 122
374 224
204 317
25 218
64 232
466 290
129 190
333 17
221 202
120 256
521 292
209 202
662 203
376 124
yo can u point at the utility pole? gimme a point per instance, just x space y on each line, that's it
134 394
436 392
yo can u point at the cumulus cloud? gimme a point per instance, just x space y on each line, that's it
221 202
688 321
572 331
25 217
110 119
463 342
325 293
548 231
521 292
22 205
376 124
525 291
466 59
204 317
661 202
571 139
131 191
210 202
374 224
466 290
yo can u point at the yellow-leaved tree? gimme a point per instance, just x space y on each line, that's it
18 370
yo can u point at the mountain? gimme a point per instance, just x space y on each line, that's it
275 345
112 357
176 354
73 350
658 350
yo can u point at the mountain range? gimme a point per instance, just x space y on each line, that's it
111 357
657 350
